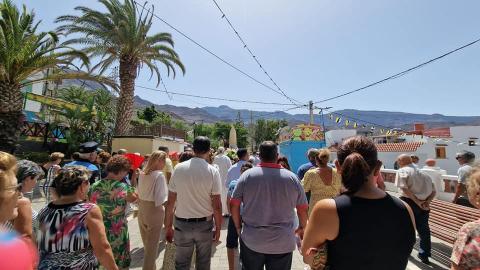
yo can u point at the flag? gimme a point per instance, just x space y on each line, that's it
347 122
338 119
381 131
355 125
388 132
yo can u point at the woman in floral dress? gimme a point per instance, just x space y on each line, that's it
112 195
465 254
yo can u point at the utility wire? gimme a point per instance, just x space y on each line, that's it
213 98
286 110
207 50
390 128
255 58
400 74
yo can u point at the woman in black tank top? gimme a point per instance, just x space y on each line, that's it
365 228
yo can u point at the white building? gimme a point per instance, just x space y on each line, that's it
336 137
441 148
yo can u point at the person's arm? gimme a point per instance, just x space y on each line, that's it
412 196
132 195
23 222
235 212
322 226
98 239
217 203
217 214
302 213
172 198
458 191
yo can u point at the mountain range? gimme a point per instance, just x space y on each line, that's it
369 118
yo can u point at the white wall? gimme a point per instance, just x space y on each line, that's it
463 133
338 135
37 88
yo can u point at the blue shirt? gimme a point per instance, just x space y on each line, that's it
91 167
303 169
269 195
234 172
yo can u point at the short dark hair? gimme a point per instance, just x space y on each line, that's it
246 166
201 145
164 149
242 152
118 164
268 151
466 155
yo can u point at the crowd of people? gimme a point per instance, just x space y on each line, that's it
335 212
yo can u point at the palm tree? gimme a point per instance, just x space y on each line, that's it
25 52
120 36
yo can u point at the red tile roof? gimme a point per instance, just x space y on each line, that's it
437 132
398 147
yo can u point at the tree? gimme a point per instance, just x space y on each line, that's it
148 114
153 117
24 52
92 124
267 130
120 35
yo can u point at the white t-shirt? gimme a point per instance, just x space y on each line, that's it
416 181
153 187
436 174
195 181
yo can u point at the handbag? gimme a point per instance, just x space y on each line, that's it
320 256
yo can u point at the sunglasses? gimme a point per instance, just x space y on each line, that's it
16 188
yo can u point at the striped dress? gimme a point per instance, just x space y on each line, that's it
63 240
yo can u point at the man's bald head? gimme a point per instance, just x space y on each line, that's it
404 160
431 162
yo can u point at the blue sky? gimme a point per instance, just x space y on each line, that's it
315 49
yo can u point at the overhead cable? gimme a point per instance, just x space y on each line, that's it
207 50
400 74
213 98
255 58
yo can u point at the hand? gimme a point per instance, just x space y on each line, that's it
169 234
426 205
216 238
299 232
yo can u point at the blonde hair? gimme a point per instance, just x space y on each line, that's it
473 185
56 156
154 158
8 168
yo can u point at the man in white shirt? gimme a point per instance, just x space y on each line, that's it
195 198
465 160
417 190
224 163
435 174
234 171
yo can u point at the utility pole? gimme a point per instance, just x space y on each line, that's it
310 108
323 120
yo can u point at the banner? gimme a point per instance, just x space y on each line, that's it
55 102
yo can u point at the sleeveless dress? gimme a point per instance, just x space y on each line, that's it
374 234
63 239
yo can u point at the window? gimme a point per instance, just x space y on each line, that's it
472 141
440 152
